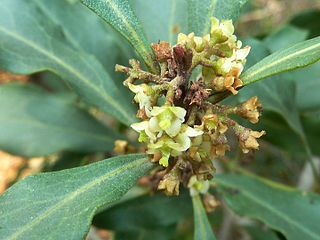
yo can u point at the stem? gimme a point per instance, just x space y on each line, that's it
135 73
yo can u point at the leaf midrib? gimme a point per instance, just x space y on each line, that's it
129 28
276 62
271 209
72 195
68 68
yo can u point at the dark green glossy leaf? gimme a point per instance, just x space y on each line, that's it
29 44
295 214
120 16
296 56
202 228
35 123
158 211
60 205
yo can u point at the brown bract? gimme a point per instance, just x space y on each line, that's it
248 140
170 183
233 81
251 109
162 50
197 93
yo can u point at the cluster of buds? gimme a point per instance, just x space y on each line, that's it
182 125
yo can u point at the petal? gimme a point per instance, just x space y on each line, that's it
227 27
214 24
174 128
243 53
179 112
193 132
157 110
140 126
154 125
134 88
184 141
150 134
174 145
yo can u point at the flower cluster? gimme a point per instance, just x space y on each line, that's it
182 124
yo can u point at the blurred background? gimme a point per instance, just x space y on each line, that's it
284 20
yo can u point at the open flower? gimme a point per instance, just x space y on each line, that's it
173 146
146 133
224 28
168 119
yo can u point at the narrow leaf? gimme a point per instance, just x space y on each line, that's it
171 20
60 205
296 56
158 211
120 16
35 123
104 43
200 12
295 214
203 230
28 44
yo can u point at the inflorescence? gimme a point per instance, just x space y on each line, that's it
183 125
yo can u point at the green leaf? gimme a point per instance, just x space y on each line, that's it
296 56
278 96
104 43
36 123
309 20
285 37
311 123
308 85
60 205
203 230
295 214
28 44
165 24
164 233
158 211
200 12
261 234
229 9
120 16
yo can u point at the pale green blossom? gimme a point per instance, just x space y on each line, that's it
168 119
168 146
198 186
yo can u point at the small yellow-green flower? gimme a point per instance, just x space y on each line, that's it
141 97
168 119
146 133
198 186
168 146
